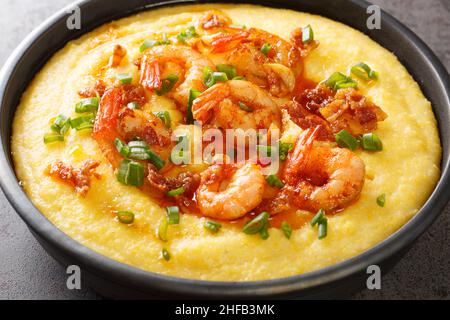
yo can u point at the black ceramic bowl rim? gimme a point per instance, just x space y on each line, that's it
140 279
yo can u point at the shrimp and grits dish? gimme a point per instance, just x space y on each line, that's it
226 142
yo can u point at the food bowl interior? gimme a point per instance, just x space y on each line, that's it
33 53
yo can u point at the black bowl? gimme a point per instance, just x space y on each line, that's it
114 279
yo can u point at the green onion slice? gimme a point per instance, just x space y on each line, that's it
286 228
125 78
126 217
257 224
371 142
212 226
83 122
363 71
148 44
176 192
307 34
87 105
162 229
189 33
317 218
284 149
244 107
167 84
339 80
229 70
266 48
165 117
173 215
323 226
53 137
133 106
131 173
274 181
264 233
345 140
381 200
165 254
193 94
122 148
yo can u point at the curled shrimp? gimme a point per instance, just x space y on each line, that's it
224 190
322 177
236 104
114 120
184 62
275 68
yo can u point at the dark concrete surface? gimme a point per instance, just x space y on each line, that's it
27 272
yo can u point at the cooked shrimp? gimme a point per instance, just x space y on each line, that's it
115 121
229 192
236 104
274 69
213 19
187 64
322 177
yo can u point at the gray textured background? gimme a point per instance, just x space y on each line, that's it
27 272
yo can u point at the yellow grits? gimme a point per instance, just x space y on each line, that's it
406 170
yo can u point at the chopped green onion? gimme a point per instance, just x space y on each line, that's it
274 181
371 142
139 150
266 48
165 117
122 148
167 84
244 107
284 149
148 44
286 228
229 70
126 217
133 106
381 200
323 226
187 34
193 94
173 215
212 226
156 160
162 229
363 71
211 77
257 224
165 40
87 105
307 34
83 122
237 26
176 192
317 218
345 140
339 80
219 77
53 137
131 173
165 254
125 78
264 233
239 78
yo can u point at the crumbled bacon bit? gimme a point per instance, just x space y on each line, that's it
188 180
79 178
343 109
119 53
97 91
297 41
214 19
